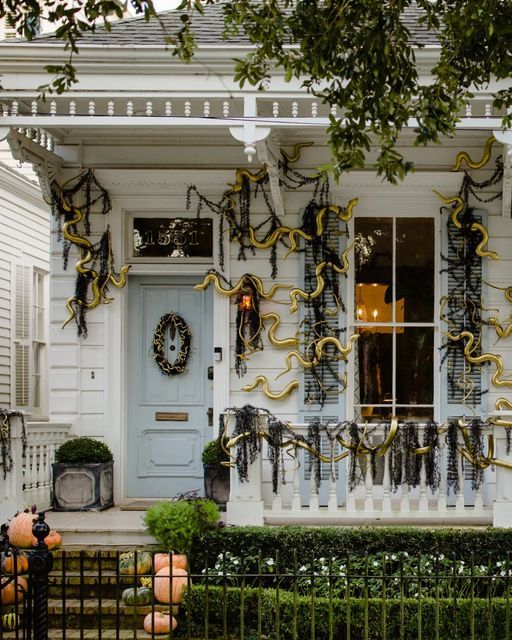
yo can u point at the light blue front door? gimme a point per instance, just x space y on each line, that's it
167 416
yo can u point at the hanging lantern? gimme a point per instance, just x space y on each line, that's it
245 303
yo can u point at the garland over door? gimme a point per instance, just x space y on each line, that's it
167 415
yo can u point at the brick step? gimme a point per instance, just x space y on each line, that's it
88 584
89 613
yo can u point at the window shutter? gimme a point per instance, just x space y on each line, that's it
325 449
327 369
23 279
458 280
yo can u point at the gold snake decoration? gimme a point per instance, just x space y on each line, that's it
463 156
99 283
319 352
500 331
270 240
295 155
271 395
277 342
213 278
296 292
484 357
476 226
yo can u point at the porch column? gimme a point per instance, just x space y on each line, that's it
502 506
245 505
11 488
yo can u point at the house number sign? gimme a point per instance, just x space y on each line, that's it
172 237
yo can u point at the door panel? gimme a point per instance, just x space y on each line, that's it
164 454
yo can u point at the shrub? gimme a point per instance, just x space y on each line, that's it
213 453
302 543
290 616
82 451
176 524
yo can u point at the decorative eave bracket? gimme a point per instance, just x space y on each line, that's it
45 163
268 153
505 137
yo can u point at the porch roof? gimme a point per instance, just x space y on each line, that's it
208 29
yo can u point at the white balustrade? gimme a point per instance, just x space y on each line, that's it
29 480
374 497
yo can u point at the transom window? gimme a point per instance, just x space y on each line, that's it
395 316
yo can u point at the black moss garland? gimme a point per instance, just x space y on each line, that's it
410 441
355 442
432 463
248 447
475 428
6 460
452 474
314 440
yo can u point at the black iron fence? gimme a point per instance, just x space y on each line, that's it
108 594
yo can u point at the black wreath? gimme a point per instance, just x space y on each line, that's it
175 323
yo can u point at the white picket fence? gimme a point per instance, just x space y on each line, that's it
29 481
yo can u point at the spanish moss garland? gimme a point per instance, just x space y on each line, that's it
355 442
452 473
102 264
432 466
248 447
234 208
314 440
6 459
475 428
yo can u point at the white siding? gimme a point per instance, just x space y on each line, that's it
24 239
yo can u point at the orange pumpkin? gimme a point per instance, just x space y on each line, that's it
13 591
179 561
159 622
169 589
15 563
53 540
20 529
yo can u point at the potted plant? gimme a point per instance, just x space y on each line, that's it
216 474
83 477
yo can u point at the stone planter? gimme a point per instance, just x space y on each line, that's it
216 483
83 487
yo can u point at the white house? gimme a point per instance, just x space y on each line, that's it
398 275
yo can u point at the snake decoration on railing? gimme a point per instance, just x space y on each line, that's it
401 440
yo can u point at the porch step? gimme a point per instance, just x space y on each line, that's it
112 527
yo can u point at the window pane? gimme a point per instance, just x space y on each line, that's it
374 269
375 358
415 365
415 268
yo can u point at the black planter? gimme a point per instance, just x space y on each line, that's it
216 483
83 487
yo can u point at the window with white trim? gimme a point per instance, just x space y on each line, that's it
30 340
395 313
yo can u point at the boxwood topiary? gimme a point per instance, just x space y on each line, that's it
213 453
82 451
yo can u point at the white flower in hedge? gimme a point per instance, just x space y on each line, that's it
394 557
303 568
499 564
269 562
236 561
375 563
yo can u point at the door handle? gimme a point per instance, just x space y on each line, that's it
209 413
